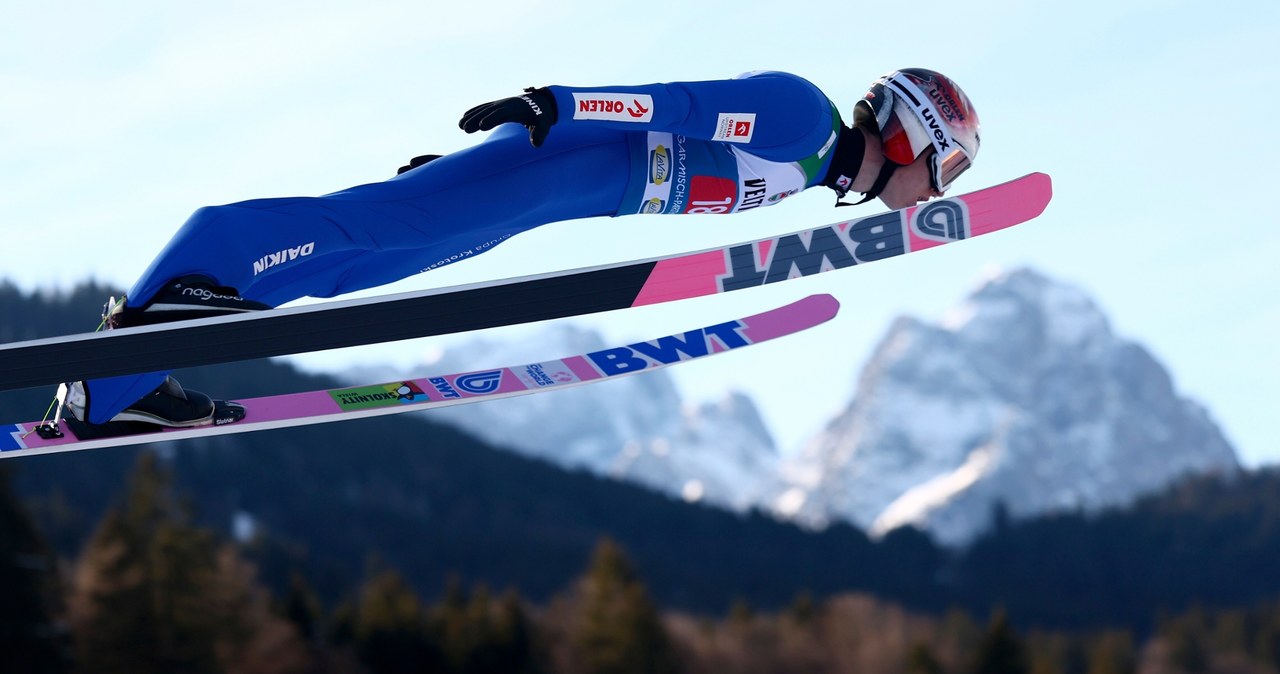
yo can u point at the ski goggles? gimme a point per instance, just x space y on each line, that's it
944 169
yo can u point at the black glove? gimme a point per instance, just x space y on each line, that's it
418 161
536 110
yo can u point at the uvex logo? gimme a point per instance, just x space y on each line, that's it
939 135
287 255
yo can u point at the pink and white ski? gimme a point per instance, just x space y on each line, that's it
338 404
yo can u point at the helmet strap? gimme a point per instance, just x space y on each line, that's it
846 160
886 172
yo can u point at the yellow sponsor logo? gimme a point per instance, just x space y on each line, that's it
654 205
659 165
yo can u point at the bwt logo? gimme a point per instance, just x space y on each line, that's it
667 350
476 383
944 221
828 248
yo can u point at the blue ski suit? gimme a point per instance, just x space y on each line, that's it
720 146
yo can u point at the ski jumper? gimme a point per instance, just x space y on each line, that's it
721 146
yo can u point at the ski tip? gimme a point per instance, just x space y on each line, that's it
823 304
791 318
1040 188
1042 182
814 309
807 312
1029 198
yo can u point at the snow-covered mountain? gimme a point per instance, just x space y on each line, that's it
633 428
1021 396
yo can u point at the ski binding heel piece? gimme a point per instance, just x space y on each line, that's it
52 430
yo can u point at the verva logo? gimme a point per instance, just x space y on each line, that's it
613 107
708 194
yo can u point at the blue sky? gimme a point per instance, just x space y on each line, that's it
1155 119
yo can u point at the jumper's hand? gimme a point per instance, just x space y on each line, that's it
536 110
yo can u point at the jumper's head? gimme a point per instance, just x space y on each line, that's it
915 110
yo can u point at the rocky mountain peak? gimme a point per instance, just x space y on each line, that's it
1020 395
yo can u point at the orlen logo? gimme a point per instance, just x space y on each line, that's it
947 104
659 165
735 127
613 107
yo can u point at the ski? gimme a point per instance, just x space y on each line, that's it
525 299
354 402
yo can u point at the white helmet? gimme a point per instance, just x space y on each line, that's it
914 109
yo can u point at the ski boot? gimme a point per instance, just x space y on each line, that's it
184 298
168 406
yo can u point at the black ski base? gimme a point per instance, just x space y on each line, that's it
279 332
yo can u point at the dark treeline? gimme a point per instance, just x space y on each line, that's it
153 592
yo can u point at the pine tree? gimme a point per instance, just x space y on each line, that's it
477 635
449 625
1265 641
132 607
30 638
1187 638
477 654
514 646
958 637
1000 651
301 607
741 615
390 631
156 594
803 610
619 630
921 660
1113 653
